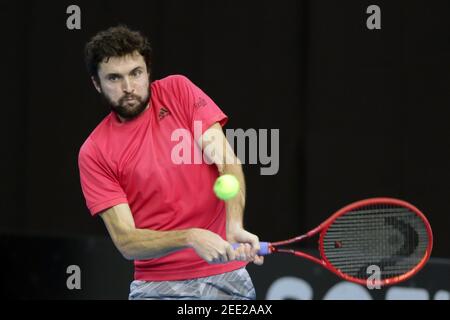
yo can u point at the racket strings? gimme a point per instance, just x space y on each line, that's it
391 237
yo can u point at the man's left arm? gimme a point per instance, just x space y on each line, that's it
218 151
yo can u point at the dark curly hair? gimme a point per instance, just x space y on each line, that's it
115 42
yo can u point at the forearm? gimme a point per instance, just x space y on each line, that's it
236 233
139 244
235 206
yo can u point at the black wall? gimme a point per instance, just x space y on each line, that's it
361 112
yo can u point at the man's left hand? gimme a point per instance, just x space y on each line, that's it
249 245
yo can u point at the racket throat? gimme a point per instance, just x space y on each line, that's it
286 242
301 254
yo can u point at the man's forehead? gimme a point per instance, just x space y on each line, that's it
122 64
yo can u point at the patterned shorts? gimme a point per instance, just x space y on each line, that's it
234 285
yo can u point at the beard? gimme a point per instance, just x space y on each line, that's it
129 106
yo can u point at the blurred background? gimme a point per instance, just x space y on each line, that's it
361 113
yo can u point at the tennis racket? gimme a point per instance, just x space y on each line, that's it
387 233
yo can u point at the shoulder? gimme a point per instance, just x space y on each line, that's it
174 83
174 79
89 148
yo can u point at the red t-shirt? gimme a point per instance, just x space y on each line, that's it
131 162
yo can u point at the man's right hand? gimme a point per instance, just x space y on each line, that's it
210 246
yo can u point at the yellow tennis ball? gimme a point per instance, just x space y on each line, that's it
226 187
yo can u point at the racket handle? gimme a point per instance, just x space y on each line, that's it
263 251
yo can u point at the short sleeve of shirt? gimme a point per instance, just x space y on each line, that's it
100 187
198 106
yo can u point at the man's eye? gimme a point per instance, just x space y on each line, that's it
136 73
113 78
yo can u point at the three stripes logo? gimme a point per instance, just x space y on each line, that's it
163 112
200 103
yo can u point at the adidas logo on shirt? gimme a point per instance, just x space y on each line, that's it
163 112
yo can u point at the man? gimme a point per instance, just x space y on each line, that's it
160 213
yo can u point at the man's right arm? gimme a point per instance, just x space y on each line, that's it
140 244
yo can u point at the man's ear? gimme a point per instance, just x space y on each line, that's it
96 85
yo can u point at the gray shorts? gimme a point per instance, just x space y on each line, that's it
233 285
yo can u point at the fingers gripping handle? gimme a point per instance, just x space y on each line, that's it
263 251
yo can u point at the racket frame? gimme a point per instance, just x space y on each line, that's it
323 228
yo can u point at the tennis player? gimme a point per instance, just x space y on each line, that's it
159 213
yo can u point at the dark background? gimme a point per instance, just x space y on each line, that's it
361 112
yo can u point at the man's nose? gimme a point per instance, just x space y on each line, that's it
127 86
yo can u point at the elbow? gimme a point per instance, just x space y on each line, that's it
126 254
128 257
125 247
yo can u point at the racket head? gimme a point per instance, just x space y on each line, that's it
389 233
